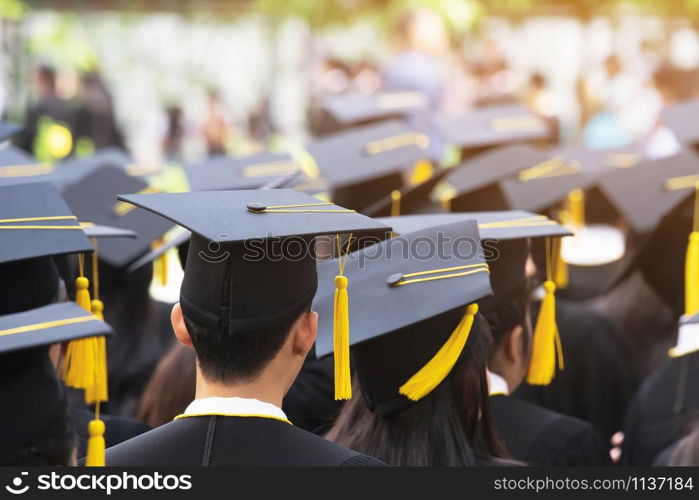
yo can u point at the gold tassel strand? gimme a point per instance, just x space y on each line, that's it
437 368
691 268
546 344
341 329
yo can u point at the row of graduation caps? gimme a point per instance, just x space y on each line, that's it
515 176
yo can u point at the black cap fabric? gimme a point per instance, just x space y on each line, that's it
476 184
505 236
415 199
50 324
37 222
350 109
93 199
251 172
649 190
8 130
400 285
98 231
33 396
364 164
492 126
251 265
681 119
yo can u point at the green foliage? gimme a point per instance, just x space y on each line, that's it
12 10
64 44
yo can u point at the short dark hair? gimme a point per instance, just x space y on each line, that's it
54 447
240 356
503 318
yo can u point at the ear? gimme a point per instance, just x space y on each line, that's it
304 333
513 345
178 326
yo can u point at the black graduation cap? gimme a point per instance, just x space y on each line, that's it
98 231
93 198
49 324
250 172
476 184
410 199
402 288
271 287
8 130
492 126
681 119
251 263
37 222
33 396
508 232
364 164
546 184
350 109
19 167
649 190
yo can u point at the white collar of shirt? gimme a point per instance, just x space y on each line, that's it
234 407
498 385
687 339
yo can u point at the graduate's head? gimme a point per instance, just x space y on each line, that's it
507 311
419 348
250 277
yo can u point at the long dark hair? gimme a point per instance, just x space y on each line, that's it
452 426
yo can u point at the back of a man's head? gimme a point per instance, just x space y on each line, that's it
237 357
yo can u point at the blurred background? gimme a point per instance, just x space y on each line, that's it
182 79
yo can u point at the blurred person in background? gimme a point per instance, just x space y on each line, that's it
96 126
170 389
422 40
174 135
543 102
215 126
49 120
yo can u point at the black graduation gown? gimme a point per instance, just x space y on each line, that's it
542 437
598 380
117 429
663 410
310 403
232 441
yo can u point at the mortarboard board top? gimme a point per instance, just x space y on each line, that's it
36 222
251 172
492 126
93 199
645 193
367 153
8 130
681 119
245 216
495 225
49 324
348 109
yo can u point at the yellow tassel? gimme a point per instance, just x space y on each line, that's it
421 172
79 365
343 379
160 265
576 208
546 345
437 368
98 391
82 295
560 270
95 444
395 203
691 277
